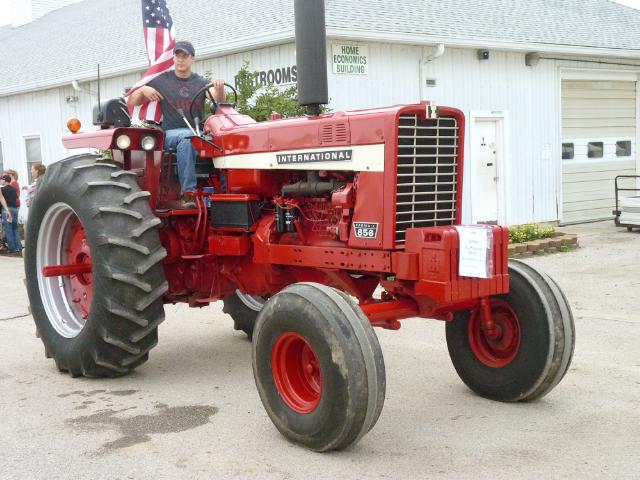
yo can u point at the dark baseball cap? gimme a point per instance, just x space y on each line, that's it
185 47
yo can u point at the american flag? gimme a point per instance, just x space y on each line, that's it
159 38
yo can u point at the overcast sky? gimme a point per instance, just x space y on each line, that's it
5 8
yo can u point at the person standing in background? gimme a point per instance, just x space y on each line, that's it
37 171
14 182
9 201
3 243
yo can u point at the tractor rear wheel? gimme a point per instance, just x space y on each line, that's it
94 270
531 349
318 367
244 309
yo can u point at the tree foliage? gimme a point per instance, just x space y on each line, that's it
258 101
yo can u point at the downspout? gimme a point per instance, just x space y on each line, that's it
439 51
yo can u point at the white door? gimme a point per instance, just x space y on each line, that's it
484 179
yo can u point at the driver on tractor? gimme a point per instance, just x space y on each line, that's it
175 90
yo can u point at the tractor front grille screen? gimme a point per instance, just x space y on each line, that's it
427 173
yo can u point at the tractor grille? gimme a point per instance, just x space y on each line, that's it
427 173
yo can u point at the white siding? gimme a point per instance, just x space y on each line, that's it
45 114
392 79
529 97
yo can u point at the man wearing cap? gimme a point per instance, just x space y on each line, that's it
175 90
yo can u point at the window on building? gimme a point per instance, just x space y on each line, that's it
623 148
567 151
1 158
34 153
595 150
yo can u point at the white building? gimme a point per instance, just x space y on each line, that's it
549 87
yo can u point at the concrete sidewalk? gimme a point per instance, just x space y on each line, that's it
193 411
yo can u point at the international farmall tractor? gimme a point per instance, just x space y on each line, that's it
311 231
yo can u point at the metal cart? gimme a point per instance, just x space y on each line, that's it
627 212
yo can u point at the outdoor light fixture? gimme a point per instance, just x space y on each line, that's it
483 54
531 59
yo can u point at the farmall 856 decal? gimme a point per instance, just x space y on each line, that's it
365 229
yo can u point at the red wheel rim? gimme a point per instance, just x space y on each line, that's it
500 348
78 253
296 372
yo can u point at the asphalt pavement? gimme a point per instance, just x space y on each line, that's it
192 411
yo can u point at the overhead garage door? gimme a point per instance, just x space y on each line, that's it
598 143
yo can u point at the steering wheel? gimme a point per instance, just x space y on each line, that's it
208 96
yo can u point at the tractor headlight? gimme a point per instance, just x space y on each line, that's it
123 141
148 143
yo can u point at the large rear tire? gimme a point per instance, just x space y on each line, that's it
103 321
318 367
533 349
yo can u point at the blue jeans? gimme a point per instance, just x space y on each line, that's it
186 157
11 230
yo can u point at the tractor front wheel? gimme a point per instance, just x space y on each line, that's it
318 367
530 348
93 263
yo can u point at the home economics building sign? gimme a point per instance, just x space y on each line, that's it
350 59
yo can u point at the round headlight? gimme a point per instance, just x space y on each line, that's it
148 143
123 141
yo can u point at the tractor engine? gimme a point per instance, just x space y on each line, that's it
312 208
306 192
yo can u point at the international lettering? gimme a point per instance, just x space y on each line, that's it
309 157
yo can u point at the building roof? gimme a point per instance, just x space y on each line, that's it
68 43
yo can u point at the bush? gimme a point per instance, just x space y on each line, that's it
259 101
527 232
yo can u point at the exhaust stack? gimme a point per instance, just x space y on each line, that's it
311 54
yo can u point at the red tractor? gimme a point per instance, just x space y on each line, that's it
311 231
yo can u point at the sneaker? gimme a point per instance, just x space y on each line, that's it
187 203
17 253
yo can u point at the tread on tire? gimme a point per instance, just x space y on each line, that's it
127 278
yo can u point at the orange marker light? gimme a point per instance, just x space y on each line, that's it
74 125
